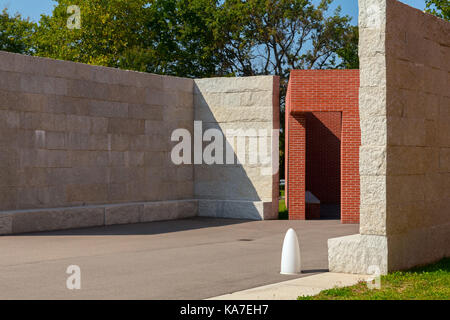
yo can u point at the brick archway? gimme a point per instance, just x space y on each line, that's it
323 95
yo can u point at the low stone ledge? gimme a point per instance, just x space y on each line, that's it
56 219
37 220
169 210
123 214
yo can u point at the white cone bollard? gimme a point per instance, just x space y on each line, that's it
290 257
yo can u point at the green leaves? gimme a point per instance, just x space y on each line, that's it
191 38
174 37
16 33
440 8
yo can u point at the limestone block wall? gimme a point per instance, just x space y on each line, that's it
404 158
74 135
84 146
249 109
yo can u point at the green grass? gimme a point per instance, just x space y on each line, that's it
426 283
282 211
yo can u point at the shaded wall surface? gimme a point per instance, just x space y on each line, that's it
405 177
84 145
323 156
323 139
249 106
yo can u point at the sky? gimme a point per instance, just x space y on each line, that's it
34 8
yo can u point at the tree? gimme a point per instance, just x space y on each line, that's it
277 36
15 33
348 53
440 8
199 38
174 37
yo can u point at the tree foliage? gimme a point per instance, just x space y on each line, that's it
440 8
15 33
273 37
199 38
174 37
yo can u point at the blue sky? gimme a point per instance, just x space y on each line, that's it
34 8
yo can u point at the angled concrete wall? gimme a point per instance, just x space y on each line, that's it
404 166
84 146
249 106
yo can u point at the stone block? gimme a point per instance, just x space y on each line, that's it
119 142
41 84
169 210
34 177
155 97
8 61
444 160
373 131
406 132
372 161
99 125
371 42
357 253
123 214
153 127
373 71
372 101
30 121
81 124
55 140
126 126
77 141
10 81
247 210
405 160
53 122
5 224
87 193
8 99
372 14
405 188
373 190
147 112
177 84
56 219
108 109
233 84
373 220
98 142
241 115
8 198
117 192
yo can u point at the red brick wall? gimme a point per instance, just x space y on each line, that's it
316 92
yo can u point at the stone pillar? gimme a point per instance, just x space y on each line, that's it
404 96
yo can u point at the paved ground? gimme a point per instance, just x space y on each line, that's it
186 259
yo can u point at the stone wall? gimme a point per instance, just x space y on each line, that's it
83 145
250 106
404 158
74 135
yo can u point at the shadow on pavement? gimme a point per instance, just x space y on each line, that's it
149 228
